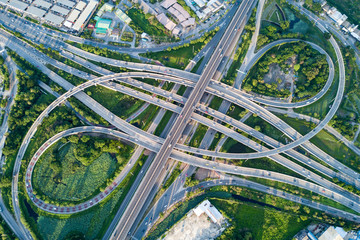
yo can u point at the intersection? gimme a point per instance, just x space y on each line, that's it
189 108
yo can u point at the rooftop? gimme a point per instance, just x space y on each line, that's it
61 10
103 23
73 15
123 17
79 24
168 3
42 4
330 234
35 11
18 5
80 5
66 3
210 210
164 20
54 19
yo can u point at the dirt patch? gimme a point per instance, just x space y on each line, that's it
277 76
202 173
193 227
147 152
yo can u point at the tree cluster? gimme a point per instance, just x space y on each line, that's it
4 72
104 52
309 63
88 149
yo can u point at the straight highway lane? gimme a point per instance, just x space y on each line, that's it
145 187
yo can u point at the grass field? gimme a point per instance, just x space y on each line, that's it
181 90
327 143
75 185
321 107
140 20
198 135
144 120
263 222
196 67
120 104
215 141
236 112
232 146
215 102
178 58
92 223
266 128
160 128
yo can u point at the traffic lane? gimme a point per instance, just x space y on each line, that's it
235 181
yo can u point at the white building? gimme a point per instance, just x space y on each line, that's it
330 234
85 16
356 34
210 210
336 16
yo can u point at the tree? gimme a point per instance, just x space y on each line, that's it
85 138
73 139
284 25
327 35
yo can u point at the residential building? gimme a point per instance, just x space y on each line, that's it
122 16
164 20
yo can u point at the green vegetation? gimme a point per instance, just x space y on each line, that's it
233 146
190 181
236 112
29 103
240 53
77 168
5 231
32 20
74 80
90 224
216 140
119 44
4 72
108 67
267 129
179 57
327 143
164 121
295 26
56 55
197 65
181 90
127 36
146 22
120 104
175 173
215 102
198 135
303 193
310 66
104 52
144 120
251 213
253 222
313 6
86 112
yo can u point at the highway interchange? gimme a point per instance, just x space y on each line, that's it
189 108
